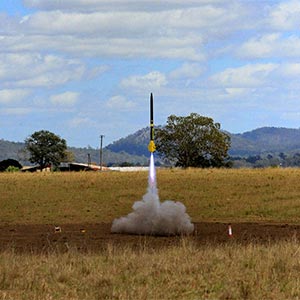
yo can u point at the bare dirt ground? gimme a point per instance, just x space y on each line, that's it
96 237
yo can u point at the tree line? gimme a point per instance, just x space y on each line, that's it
273 160
191 141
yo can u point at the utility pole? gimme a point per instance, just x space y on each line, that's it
101 141
89 159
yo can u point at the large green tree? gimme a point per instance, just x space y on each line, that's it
45 148
193 141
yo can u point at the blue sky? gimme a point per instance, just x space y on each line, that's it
82 68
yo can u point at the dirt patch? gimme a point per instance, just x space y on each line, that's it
96 237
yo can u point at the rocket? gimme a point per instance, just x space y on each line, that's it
151 146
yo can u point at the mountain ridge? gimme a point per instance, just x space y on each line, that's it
254 142
265 139
133 148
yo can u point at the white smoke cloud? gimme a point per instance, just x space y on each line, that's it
150 216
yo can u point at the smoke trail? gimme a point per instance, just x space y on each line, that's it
149 216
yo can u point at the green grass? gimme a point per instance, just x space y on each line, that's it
271 195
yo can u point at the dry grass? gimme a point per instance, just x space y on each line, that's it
231 271
209 195
240 195
67 197
185 272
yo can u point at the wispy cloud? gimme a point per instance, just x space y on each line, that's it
16 111
187 71
271 46
151 81
255 75
80 121
285 15
65 99
37 70
119 103
9 96
119 5
218 57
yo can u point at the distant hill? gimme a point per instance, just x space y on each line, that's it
133 149
255 142
136 143
265 139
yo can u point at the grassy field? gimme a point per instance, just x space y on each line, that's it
183 272
271 195
187 271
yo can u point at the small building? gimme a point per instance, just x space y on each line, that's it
73 166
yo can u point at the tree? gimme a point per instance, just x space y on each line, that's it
46 148
69 157
193 141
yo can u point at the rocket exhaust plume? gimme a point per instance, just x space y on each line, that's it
149 215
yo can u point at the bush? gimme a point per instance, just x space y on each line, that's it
4 164
12 169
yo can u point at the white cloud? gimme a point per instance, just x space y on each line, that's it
285 15
119 103
187 71
15 111
290 70
91 5
65 99
238 92
187 47
123 24
258 80
255 75
204 19
158 29
81 122
151 81
62 44
271 45
8 96
260 47
97 71
36 70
